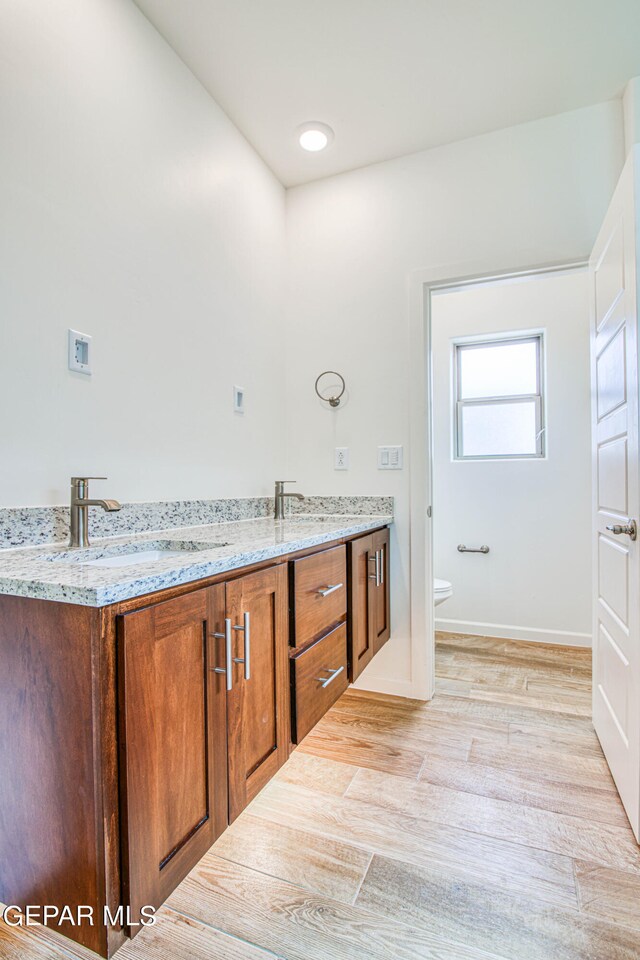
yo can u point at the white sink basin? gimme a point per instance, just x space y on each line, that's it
132 554
129 559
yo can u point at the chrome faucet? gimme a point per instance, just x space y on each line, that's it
280 498
79 512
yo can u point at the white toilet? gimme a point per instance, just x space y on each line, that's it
442 590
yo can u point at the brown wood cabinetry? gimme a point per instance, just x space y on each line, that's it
318 594
203 723
360 553
52 835
258 702
318 591
136 732
173 744
369 606
318 677
379 590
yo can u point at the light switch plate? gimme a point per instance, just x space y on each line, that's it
79 352
238 399
390 458
341 458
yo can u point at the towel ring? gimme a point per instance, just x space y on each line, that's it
333 401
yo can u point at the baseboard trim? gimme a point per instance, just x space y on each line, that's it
396 688
564 638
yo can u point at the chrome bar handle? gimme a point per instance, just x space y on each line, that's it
246 629
247 646
483 549
330 588
228 653
325 681
382 556
375 576
630 528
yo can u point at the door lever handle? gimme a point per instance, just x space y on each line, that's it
630 528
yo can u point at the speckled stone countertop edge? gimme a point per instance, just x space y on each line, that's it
40 525
30 572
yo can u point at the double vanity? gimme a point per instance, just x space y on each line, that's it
152 684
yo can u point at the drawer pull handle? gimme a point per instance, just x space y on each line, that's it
331 588
246 629
228 656
376 576
325 681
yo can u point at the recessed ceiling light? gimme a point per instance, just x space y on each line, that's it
314 136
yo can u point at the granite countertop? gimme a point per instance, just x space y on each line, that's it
53 572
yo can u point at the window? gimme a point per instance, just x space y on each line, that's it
499 398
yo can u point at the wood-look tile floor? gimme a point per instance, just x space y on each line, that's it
481 825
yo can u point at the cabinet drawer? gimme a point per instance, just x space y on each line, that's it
319 677
319 594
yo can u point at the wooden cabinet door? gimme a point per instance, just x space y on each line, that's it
369 608
172 741
360 570
380 624
257 704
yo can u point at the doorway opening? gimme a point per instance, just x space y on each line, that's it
511 460
425 287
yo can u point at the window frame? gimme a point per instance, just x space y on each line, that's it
538 398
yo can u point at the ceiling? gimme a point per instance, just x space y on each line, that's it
392 77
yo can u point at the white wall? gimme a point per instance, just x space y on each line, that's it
535 515
134 211
524 196
631 112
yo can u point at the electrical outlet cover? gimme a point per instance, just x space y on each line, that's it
79 358
341 458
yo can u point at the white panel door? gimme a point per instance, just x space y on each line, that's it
616 568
